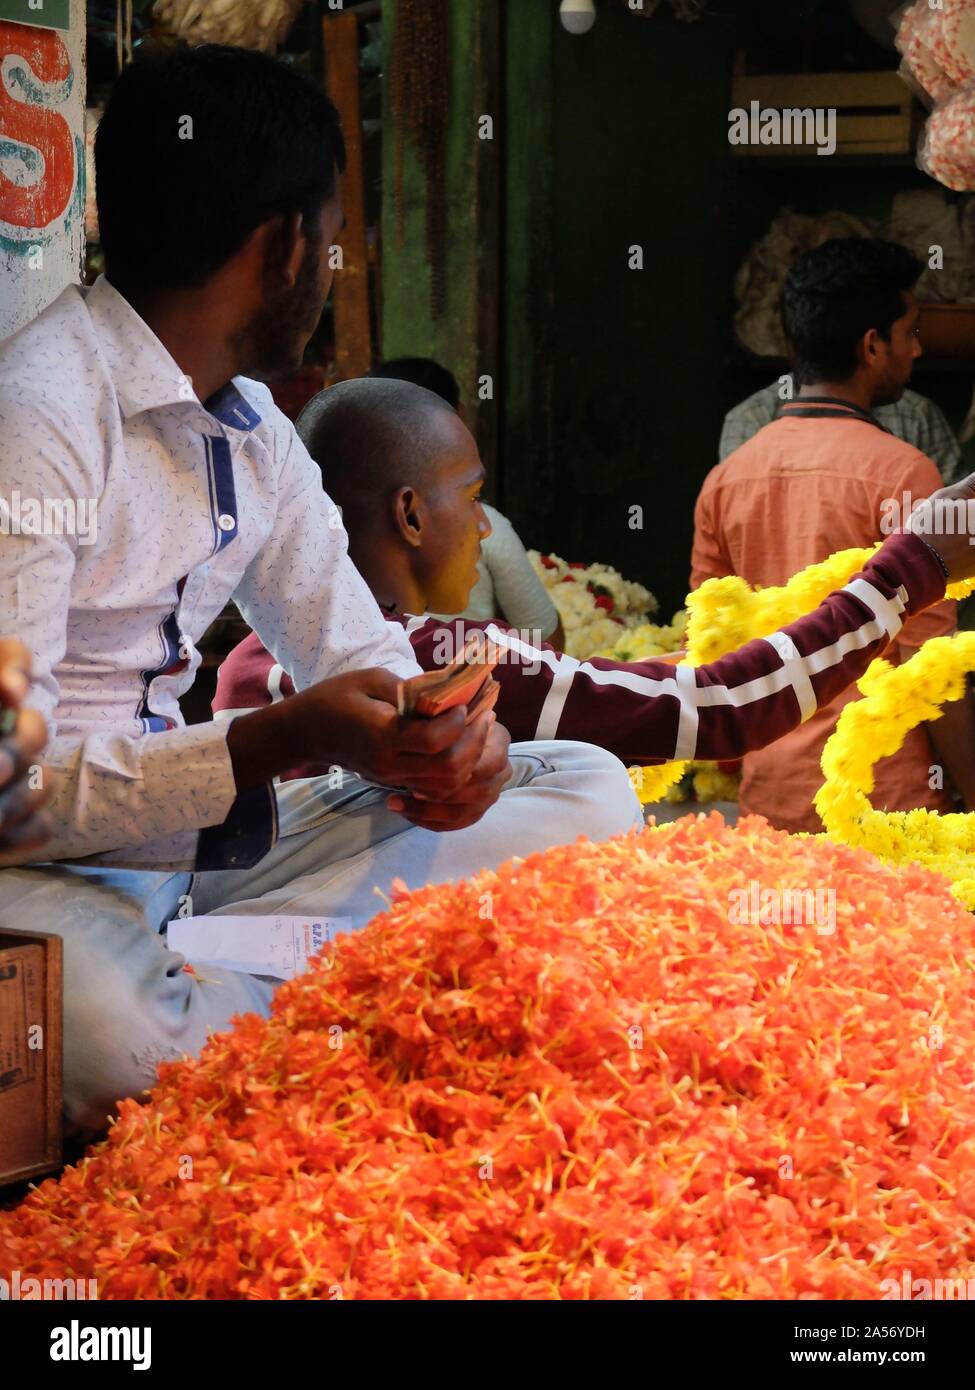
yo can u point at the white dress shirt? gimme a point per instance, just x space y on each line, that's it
194 505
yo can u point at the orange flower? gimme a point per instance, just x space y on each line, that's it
614 1088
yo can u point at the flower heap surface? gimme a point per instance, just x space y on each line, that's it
583 1076
594 602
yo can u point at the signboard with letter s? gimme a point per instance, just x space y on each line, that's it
43 14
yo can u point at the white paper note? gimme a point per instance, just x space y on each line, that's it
276 946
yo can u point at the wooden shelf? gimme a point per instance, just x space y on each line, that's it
847 163
875 113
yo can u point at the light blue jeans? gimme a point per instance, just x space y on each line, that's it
129 1004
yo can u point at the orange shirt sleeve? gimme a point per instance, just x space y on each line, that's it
708 560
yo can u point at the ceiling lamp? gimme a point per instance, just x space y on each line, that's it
577 16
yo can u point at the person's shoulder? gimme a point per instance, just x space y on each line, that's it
53 355
55 391
502 541
916 404
743 460
275 429
887 445
65 308
258 394
913 415
500 525
762 402
885 462
258 397
907 457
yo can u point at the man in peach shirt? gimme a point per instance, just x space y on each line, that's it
825 476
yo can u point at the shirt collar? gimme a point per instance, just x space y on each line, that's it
143 372
231 408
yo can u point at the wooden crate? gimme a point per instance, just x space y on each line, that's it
30 1055
875 111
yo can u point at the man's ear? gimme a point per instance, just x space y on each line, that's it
868 347
406 516
283 241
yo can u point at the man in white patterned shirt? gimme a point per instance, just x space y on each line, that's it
132 407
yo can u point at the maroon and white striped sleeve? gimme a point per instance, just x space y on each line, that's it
649 711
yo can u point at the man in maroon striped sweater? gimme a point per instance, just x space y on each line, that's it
405 476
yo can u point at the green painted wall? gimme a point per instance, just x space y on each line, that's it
464 337
610 383
605 377
639 156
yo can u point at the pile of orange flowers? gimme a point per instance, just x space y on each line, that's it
587 1075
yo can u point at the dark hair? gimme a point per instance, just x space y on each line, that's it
176 201
835 294
422 371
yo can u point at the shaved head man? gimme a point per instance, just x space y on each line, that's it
405 470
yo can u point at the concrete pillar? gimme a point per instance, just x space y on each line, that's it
42 155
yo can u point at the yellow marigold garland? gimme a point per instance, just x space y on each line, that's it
724 614
896 700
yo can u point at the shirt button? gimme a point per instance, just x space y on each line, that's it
226 522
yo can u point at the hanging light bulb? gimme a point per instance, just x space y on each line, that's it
577 16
